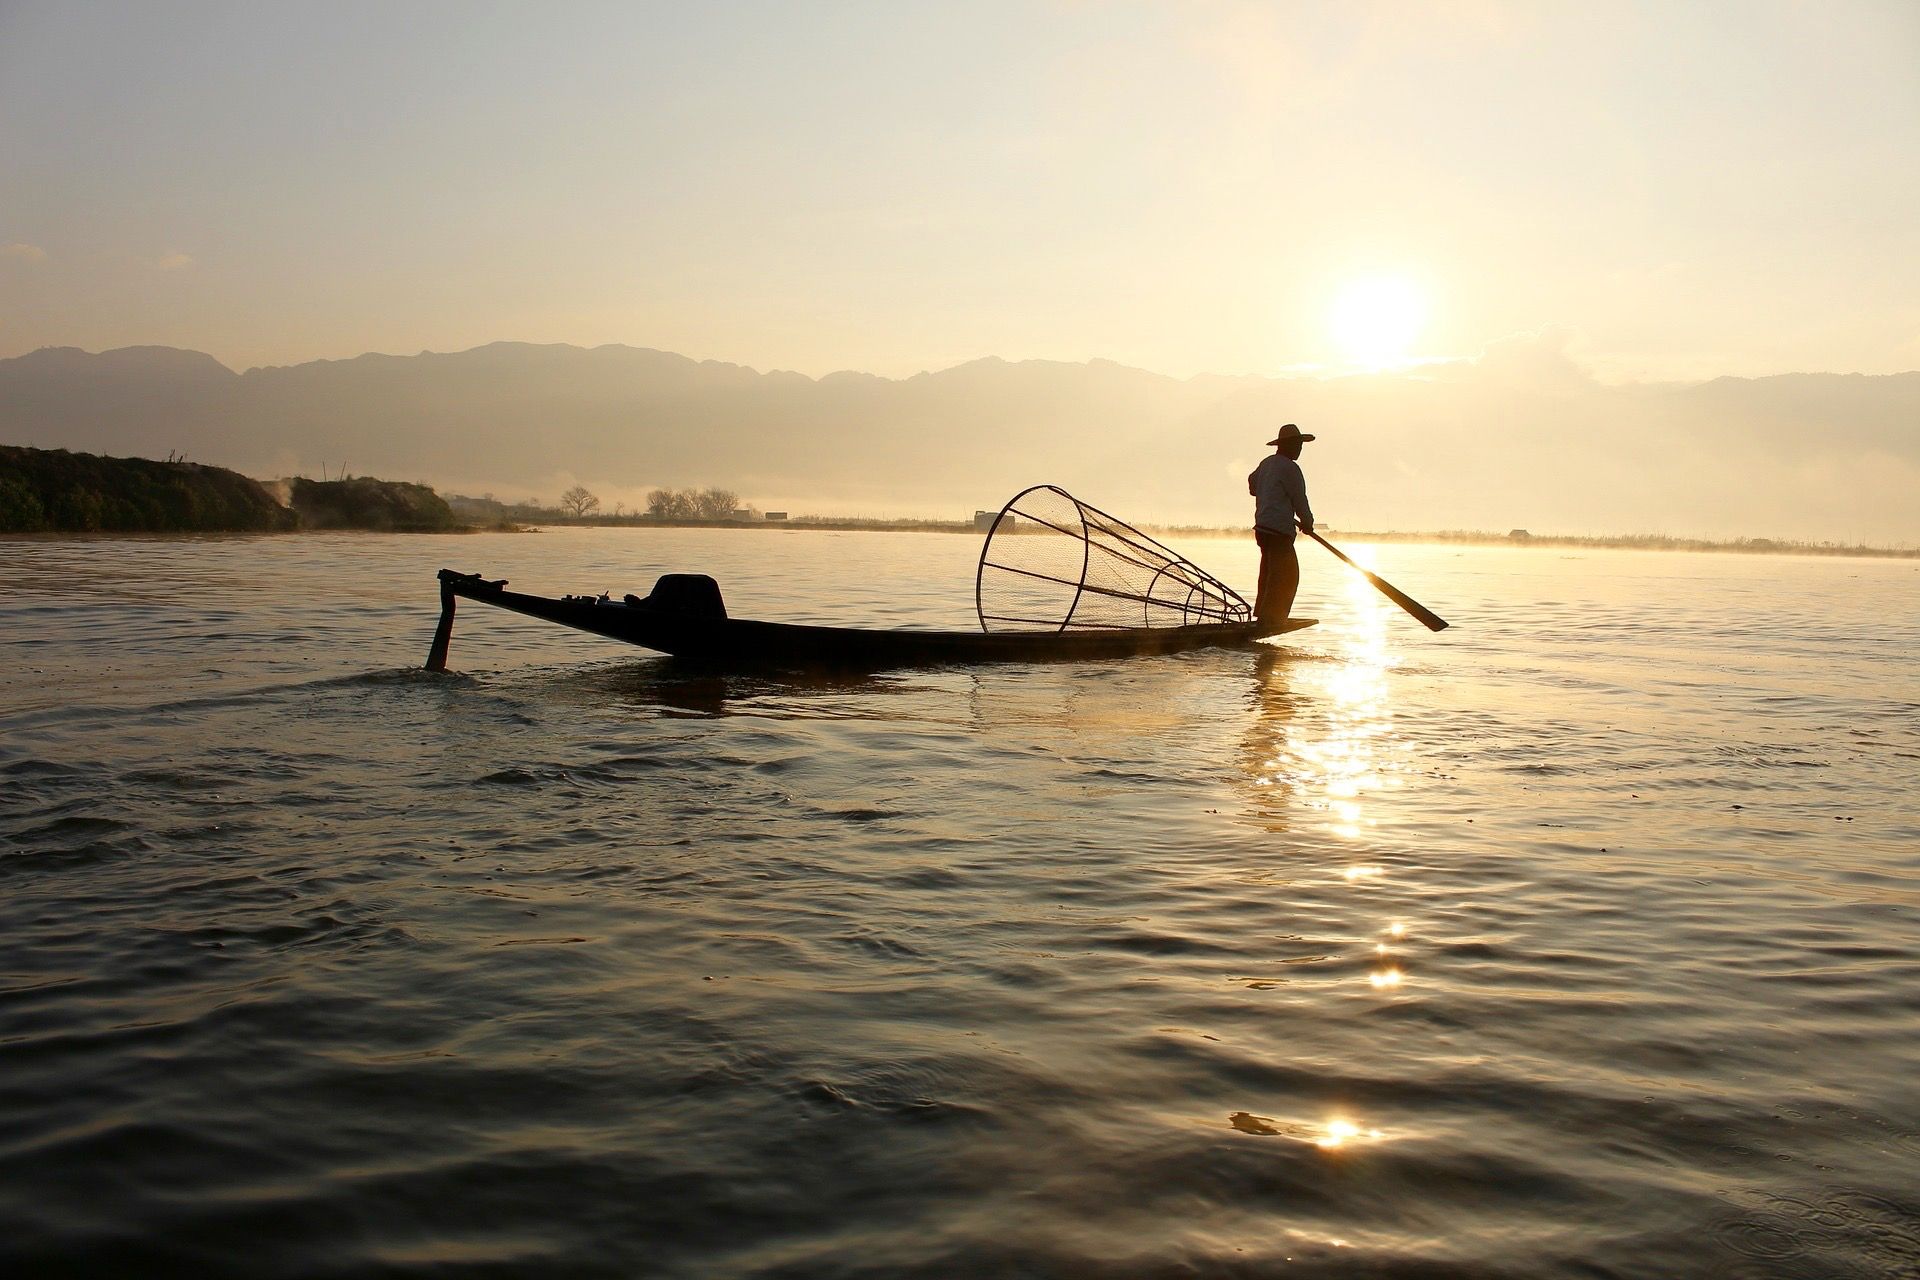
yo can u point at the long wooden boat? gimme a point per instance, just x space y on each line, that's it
699 636
1058 580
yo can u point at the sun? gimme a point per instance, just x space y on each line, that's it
1375 320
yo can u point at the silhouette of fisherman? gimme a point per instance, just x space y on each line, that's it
1279 490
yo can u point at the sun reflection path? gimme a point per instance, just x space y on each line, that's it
1388 974
1344 749
1343 752
1334 1133
1342 1132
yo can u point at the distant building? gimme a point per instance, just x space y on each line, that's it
1518 535
741 513
776 515
983 520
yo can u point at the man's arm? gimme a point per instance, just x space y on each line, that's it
1301 511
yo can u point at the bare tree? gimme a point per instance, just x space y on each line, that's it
669 504
715 504
578 502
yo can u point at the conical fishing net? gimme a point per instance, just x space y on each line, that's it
1054 563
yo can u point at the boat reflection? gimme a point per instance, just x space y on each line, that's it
665 687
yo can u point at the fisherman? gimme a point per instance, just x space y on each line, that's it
1279 492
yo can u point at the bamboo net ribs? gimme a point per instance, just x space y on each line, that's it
1054 563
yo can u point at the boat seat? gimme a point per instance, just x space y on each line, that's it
693 594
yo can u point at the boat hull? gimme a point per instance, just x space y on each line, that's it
739 642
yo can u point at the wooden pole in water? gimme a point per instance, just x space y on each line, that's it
442 634
1428 618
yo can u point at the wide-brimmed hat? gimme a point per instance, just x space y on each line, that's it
1289 432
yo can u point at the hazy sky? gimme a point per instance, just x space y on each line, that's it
1688 189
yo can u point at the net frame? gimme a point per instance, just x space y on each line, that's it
1119 568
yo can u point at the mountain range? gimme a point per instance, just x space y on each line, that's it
1518 437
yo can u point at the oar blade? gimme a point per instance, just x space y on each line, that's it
1426 617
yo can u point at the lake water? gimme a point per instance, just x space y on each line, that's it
1578 940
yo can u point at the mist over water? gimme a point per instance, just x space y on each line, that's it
1579 939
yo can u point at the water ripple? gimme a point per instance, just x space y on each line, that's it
1578 940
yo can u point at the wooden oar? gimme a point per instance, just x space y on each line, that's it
1431 620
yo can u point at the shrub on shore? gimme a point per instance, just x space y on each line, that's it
55 491
364 503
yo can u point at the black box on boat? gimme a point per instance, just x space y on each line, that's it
692 595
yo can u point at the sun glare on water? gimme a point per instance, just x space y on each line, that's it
1374 321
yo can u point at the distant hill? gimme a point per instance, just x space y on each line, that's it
1519 437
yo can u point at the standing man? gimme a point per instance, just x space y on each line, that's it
1279 490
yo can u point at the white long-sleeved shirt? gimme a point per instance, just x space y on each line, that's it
1279 490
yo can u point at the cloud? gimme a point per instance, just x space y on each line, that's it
174 262
1539 360
24 252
